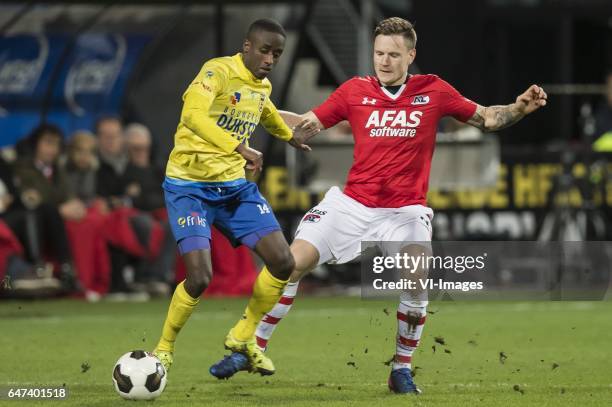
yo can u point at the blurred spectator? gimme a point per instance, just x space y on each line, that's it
137 239
7 187
142 185
113 158
81 166
19 277
142 180
88 236
603 120
36 218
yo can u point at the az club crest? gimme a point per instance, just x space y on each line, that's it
420 100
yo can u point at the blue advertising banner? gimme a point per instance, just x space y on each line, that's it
74 81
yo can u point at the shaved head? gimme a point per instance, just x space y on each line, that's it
265 24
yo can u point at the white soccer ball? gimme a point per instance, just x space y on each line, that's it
138 375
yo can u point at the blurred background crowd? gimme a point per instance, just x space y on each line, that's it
85 214
90 95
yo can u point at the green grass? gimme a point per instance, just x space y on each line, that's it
45 343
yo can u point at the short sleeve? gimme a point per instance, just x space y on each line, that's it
335 108
452 103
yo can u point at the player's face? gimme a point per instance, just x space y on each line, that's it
393 54
262 51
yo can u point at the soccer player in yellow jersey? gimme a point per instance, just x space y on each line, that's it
205 184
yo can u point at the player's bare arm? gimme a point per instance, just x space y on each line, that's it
304 127
494 118
253 157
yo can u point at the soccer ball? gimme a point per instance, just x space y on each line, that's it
138 375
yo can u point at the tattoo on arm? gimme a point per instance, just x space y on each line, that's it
503 116
478 120
494 118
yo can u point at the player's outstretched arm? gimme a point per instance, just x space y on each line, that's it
293 119
304 127
494 118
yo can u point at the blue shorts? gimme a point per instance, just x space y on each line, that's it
236 208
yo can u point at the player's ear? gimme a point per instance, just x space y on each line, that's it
246 45
412 54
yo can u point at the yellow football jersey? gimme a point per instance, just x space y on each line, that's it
222 107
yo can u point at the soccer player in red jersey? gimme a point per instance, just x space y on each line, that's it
394 117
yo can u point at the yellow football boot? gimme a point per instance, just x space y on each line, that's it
165 358
258 361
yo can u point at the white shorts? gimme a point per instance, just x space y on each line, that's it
338 225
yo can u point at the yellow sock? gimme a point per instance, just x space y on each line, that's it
267 290
181 307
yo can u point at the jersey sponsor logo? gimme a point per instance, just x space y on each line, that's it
393 123
262 102
192 220
368 101
235 98
236 126
205 86
239 122
394 118
420 100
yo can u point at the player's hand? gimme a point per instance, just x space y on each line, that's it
302 132
253 157
531 100
299 146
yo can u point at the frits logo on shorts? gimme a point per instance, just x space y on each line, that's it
192 220
313 216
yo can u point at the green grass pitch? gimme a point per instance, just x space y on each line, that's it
328 352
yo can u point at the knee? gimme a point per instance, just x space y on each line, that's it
281 264
196 283
199 274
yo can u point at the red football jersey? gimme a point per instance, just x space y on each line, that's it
394 135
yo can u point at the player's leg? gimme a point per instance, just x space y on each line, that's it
246 217
336 221
185 298
332 222
415 231
269 285
334 225
411 315
268 288
306 259
189 218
